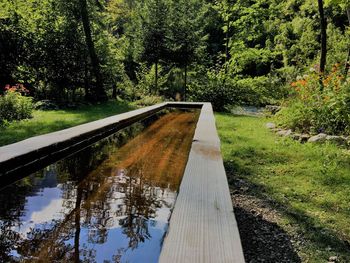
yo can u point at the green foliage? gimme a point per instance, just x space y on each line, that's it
14 106
222 91
215 89
148 101
159 47
280 40
155 31
145 80
186 18
319 108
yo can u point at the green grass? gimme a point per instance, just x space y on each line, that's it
50 121
308 184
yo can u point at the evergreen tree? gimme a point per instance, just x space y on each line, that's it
186 34
155 34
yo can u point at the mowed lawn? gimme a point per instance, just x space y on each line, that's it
309 185
50 121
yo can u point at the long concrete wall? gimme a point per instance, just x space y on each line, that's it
202 228
31 154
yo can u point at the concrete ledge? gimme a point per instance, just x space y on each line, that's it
203 227
27 154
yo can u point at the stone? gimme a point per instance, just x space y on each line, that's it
284 133
339 140
273 109
295 136
46 105
270 125
319 138
333 259
304 137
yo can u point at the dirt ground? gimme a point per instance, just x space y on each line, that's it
262 239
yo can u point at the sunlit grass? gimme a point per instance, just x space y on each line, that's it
49 121
309 184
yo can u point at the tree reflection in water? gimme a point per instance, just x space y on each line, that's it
106 203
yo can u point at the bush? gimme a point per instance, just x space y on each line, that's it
14 105
148 101
213 88
224 91
46 105
318 108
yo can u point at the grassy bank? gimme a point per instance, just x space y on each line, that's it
50 121
307 185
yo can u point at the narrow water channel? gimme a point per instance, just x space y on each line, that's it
107 203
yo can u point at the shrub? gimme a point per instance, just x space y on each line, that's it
148 101
223 91
14 105
318 108
46 105
212 88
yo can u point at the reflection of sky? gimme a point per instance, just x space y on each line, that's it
43 206
41 209
147 251
47 205
118 211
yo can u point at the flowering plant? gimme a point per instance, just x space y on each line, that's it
14 105
319 103
16 88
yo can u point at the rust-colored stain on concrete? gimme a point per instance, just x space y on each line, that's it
210 152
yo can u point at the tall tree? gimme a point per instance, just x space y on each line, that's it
155 33
99 93
347 62
345 6
323 36
186 34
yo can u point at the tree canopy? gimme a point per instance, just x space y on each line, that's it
247 51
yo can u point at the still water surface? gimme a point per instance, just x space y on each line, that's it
107 203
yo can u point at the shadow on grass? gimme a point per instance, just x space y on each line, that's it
257 162
20 132
251 225
58 120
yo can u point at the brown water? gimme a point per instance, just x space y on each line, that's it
106 203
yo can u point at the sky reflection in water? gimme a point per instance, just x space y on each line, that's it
107 203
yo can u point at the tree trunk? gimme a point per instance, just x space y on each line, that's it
156 78
88 95
347 62
99 92
323 37
227 54
185 83
114 92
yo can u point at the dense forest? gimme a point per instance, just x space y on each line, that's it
227 52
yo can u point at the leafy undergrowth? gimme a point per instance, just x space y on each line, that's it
50 121
308 185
